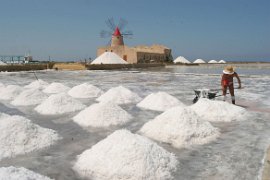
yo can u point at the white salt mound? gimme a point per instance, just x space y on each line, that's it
109 58
160 101
20 136
13 173
181 127
29 97
10 92
59 104
218 110
37 84
199 61
181 59
221 61
123 155
102 115
119 95
85 90
56 88
212 61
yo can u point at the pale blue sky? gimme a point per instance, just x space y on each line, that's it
234 30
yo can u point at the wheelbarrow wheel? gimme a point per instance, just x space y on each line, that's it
195 100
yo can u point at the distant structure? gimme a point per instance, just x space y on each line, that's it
133 55
16 59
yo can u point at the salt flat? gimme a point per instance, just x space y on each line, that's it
236 154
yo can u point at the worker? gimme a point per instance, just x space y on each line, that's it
227 82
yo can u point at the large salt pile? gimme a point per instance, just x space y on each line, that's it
56 88
102 115
181 127
37 84
123 155
221 61
119 95
218 110
181 59
160 101
59 104
85 90
212 61
199 61
29 97
20 136
109 58
13 173
10 92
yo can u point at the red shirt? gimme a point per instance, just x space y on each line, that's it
227 79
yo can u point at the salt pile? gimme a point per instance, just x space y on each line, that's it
102 115
59 104
199 61
218 110
212 61
221 61
160 101
85 90
20 136
10 92
109 58
181 59
13 173
29 97
37 84
181 127
123 155
119 95
56 88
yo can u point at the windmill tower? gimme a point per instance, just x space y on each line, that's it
117 38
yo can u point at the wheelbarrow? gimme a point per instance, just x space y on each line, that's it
205 93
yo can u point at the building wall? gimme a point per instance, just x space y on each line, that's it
140 54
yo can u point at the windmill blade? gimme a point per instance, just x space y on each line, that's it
109 42
127 33
105 34
122 24
110 23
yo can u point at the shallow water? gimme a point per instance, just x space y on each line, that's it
236 154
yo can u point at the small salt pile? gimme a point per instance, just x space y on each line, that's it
37 84
85 90
13 173
59 104
181 127
181 59
119 95
20 136
123 155
218 110
10 92
160 101
199 61
56 88
29 97
102 115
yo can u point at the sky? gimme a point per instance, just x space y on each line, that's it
69 30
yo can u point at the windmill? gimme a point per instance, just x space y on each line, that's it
116 32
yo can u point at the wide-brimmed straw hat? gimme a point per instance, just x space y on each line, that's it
228 70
